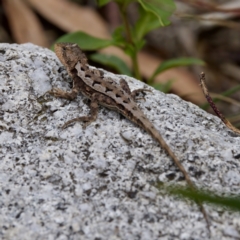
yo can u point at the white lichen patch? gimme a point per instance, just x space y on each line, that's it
99 182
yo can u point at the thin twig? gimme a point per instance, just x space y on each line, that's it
213 106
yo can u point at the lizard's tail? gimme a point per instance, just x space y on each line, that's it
157 136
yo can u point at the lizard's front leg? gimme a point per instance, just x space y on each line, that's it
63 94
93 113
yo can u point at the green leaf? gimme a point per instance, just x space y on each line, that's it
118 37
102 2
146 23
112 61
163 87
203 196
177 62
162 9
139 44
129 50
85 41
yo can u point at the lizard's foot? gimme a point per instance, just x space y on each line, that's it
86 119
56 92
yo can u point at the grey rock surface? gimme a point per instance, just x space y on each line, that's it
98 183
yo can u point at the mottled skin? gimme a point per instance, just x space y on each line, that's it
104 91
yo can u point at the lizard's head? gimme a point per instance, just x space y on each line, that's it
70 54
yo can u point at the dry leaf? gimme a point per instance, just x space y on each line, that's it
70 17
24 24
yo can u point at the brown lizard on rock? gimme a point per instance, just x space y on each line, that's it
106 92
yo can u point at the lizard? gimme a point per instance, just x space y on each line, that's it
106 92
92 84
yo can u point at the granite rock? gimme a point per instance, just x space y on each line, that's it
99 182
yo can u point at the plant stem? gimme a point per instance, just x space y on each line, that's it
130 41
136 66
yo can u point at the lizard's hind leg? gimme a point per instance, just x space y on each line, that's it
124 86
134 93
